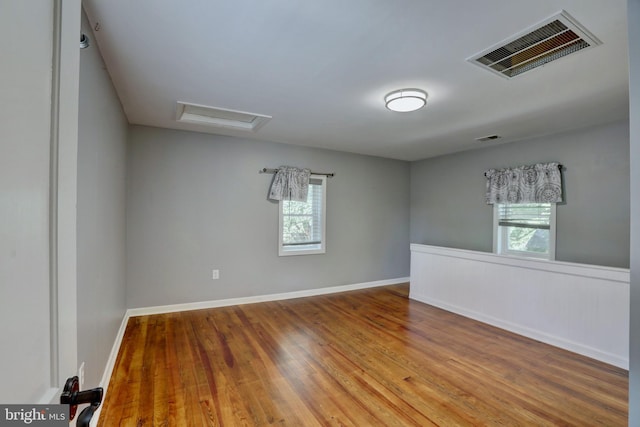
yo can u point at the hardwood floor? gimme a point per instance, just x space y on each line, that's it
362 358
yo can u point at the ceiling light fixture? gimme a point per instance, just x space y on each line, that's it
405 100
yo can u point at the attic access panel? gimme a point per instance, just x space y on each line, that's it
219 117
554 38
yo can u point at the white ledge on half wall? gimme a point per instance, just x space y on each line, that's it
579 307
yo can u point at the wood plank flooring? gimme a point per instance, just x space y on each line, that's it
362 358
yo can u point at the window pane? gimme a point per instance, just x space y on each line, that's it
302 220
301 224
525 229
528 239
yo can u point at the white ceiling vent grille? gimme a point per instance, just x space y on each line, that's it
219 117
551 39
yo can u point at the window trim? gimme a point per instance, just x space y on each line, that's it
499 237
305 249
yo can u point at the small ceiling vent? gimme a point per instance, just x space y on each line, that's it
219 117
488 138
551 39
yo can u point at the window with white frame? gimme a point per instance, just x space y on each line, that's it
525 229
302 225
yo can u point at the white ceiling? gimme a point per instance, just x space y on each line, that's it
322 67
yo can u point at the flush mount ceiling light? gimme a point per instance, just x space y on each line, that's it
405 100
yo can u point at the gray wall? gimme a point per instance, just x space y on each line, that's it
197 202
634 114
447 194
102 150
24 198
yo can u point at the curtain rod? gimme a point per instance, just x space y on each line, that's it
559 167
266 170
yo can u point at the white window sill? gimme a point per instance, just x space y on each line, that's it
301 250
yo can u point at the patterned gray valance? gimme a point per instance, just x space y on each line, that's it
290 183
539 183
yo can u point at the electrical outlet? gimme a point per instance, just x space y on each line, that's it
81 375
215 274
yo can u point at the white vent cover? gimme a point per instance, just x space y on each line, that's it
555 37
219 117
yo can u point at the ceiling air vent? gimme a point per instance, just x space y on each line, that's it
551 39
219 117
488 138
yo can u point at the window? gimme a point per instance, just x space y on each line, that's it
302 224
527 229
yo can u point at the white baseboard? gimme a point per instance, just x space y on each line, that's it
132 312
51 395
528 332
144 311
111 363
